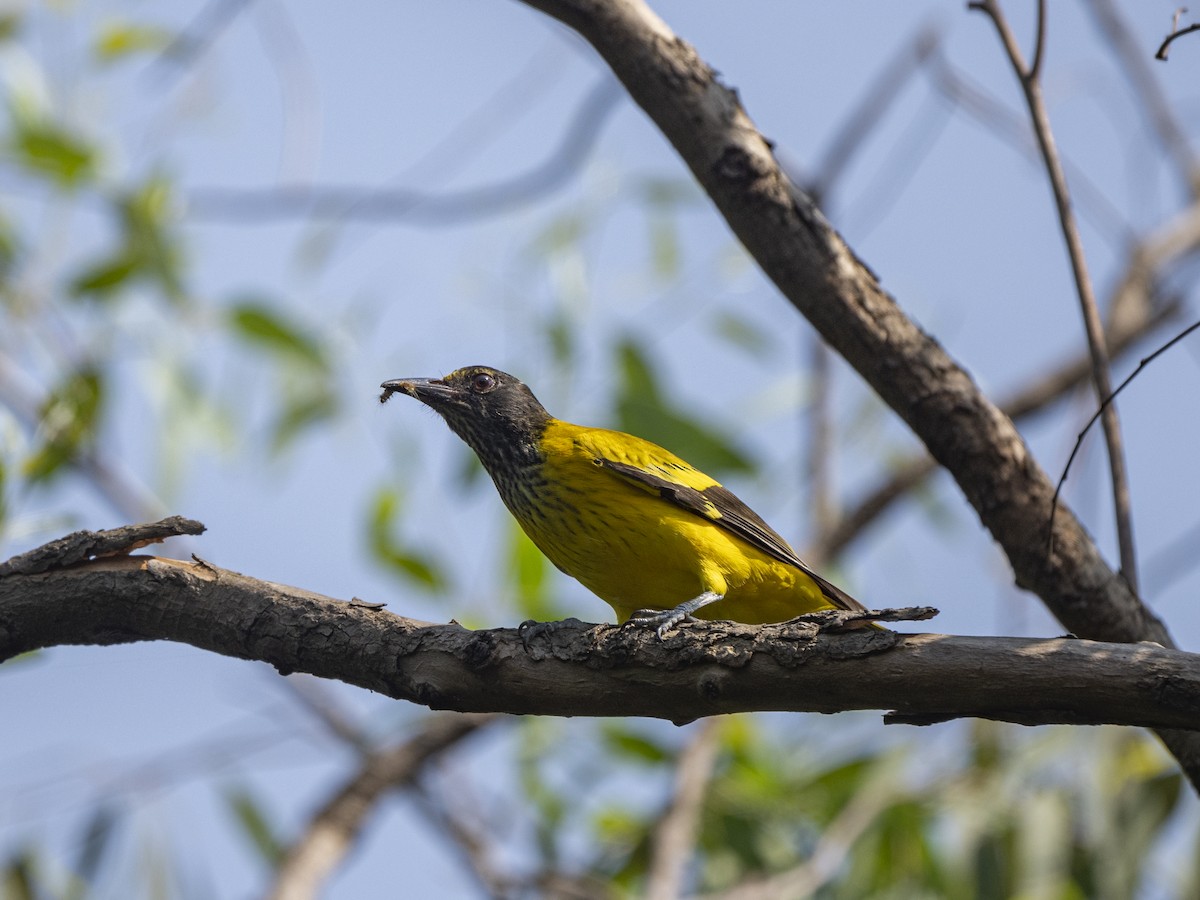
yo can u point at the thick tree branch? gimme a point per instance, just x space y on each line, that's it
799 250
598 670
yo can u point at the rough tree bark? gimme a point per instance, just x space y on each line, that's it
83 590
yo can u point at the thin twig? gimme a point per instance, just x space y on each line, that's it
317 700
1099 412
1039 47
674 837
1176 32
1093 325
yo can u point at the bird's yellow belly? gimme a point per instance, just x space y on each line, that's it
637 552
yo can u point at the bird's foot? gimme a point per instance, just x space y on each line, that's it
663 621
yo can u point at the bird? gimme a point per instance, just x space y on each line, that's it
657 539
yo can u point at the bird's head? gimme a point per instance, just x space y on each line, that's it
482 405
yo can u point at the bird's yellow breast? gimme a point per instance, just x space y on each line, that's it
637 550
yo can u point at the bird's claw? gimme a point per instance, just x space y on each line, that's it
661 621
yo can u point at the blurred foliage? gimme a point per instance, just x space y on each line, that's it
1004 816
643 409
388 548
254 822
147 248
68 419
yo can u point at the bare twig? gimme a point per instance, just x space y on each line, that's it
674 836
316 699
1093 326
416 206
1176 32
469 835
1108 400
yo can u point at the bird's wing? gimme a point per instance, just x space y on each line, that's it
724 509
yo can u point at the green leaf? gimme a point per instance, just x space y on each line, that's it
744 334
147 215
258 324
19 878
147 251
10 248
642 410
665 255
118 40
10 25
561 337
101 280
624 742
562 233
393 553
300 413
68 421
53 151
249 814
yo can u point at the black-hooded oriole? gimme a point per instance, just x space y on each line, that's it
634 523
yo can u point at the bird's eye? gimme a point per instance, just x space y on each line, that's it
482 382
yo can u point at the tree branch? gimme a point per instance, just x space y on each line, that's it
799 250
673 841
245 206
598 670
335 828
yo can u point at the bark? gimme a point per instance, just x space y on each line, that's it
577 669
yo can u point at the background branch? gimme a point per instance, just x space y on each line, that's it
333 831
416 206
1093 325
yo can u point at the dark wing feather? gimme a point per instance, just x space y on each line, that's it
724 509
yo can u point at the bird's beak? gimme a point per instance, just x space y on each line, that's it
430 391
